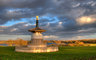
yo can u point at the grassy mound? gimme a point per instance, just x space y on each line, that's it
65 53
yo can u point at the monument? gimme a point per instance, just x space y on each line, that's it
36 44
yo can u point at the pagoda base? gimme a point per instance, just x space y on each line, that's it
36 49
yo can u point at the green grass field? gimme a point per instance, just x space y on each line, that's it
65 53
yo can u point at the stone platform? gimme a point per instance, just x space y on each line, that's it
36 49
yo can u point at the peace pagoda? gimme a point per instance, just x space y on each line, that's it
37 44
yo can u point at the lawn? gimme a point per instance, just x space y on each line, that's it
64 53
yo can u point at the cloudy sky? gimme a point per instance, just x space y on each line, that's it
63 19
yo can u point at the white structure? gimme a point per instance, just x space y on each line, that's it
37 44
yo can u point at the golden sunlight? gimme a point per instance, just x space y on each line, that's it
85 20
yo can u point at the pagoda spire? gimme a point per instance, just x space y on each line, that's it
37 18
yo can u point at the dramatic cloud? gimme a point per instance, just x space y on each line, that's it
63 19
86 20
